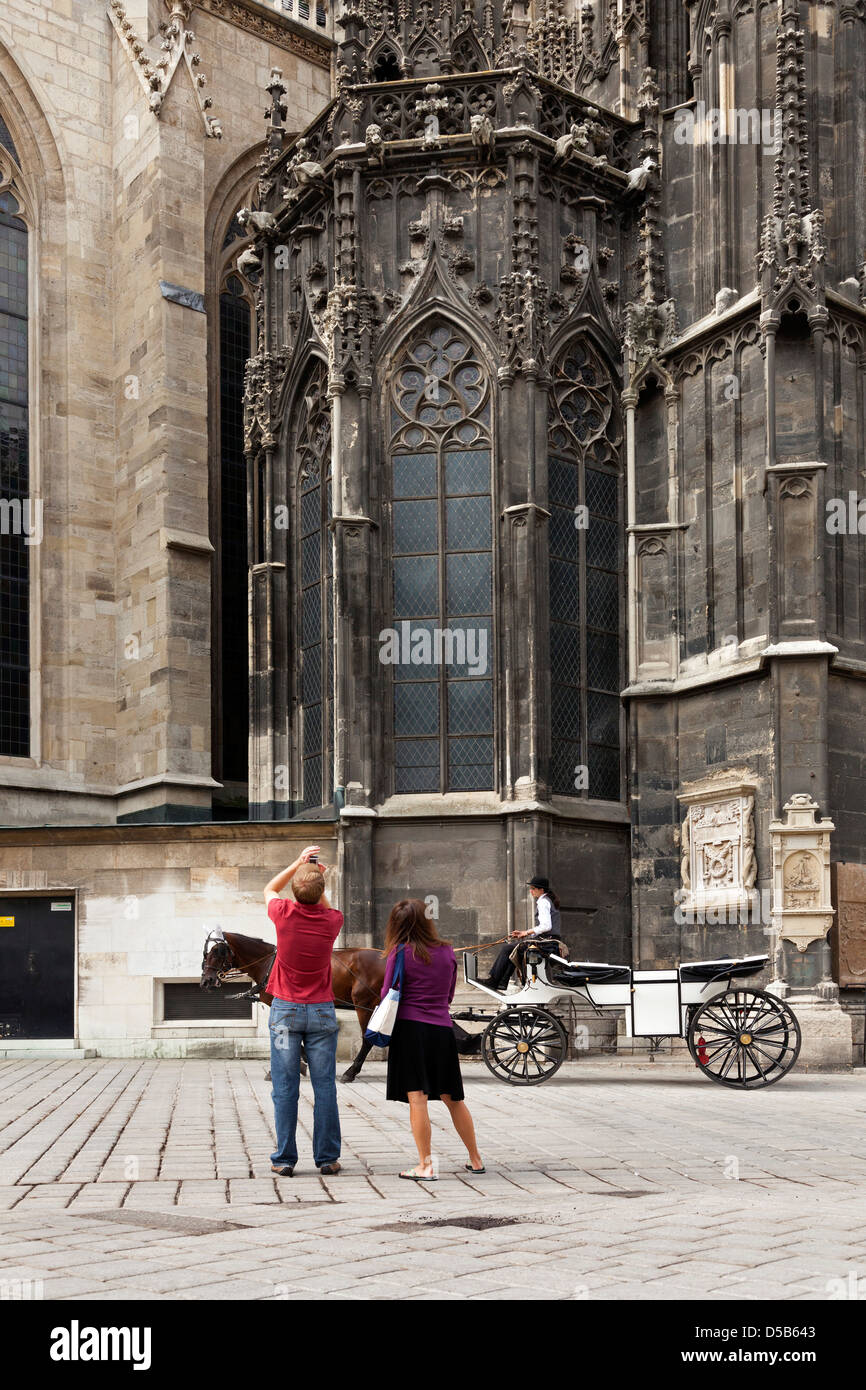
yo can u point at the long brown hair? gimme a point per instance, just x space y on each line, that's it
409 925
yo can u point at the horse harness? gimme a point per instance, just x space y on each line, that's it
254 991
234 970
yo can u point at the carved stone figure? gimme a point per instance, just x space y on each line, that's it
637 178
481 130
253 221
374 144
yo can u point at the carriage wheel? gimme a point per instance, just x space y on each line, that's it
524 1045
744 1038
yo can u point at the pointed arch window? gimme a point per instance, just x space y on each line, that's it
316 587
231 644
442 565
17 518
585 577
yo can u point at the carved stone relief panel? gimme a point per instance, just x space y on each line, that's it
718 863
849 900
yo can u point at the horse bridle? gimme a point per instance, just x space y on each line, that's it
218 939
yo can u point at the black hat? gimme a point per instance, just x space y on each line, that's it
539 882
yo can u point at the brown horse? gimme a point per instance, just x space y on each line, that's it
357 976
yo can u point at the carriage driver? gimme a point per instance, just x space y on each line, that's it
547 918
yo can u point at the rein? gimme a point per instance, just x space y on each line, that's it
244 969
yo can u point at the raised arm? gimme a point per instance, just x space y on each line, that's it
285 876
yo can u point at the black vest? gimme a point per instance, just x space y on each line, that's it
554 914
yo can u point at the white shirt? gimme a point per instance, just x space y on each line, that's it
544 922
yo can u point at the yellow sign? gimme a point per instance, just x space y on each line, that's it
7 921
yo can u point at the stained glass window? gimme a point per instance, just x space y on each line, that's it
235 319
442 580
18 520
316 587
585 578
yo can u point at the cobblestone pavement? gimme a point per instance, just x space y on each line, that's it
150 1180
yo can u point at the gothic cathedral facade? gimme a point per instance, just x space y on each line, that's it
491 506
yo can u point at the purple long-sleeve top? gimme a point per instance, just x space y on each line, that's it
427 989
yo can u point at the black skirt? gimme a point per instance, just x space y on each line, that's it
423 1057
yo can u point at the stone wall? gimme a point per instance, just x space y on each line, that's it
118 200
146 898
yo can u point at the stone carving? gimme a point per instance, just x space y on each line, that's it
852 927
793 244
795 487
243 17
686 856
301 173
750 863
650 326
248 261
155 74
801 880
562 41
717 854
262 382
718 864
482 133
567 144
638 178
802 906
374 144
253 222
849 897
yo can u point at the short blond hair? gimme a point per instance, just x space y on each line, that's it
308 884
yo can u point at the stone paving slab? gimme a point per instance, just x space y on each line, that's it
151 1180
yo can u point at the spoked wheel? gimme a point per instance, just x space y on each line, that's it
744 1038
524 1045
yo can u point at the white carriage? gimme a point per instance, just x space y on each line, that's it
738 1036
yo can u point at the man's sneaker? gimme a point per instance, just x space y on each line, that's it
328 1170
284 1172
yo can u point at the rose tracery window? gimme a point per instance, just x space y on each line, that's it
585 567
442 579
316 586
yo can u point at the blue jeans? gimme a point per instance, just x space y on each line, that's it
314 1025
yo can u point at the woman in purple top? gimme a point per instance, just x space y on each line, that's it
422 1058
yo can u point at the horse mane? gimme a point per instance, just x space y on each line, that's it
249 940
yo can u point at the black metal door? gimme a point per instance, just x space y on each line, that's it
37 967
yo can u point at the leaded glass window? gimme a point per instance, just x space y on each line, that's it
442 557
18 518
316 588
585 577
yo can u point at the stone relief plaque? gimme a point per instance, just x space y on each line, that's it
802 906
802 880
718 866
849 936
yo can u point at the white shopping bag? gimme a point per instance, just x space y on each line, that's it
384 1016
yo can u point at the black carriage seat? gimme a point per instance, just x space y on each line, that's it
704 971
574 973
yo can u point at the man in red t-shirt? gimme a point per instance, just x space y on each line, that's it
303 1011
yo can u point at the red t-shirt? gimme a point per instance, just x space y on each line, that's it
306 933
